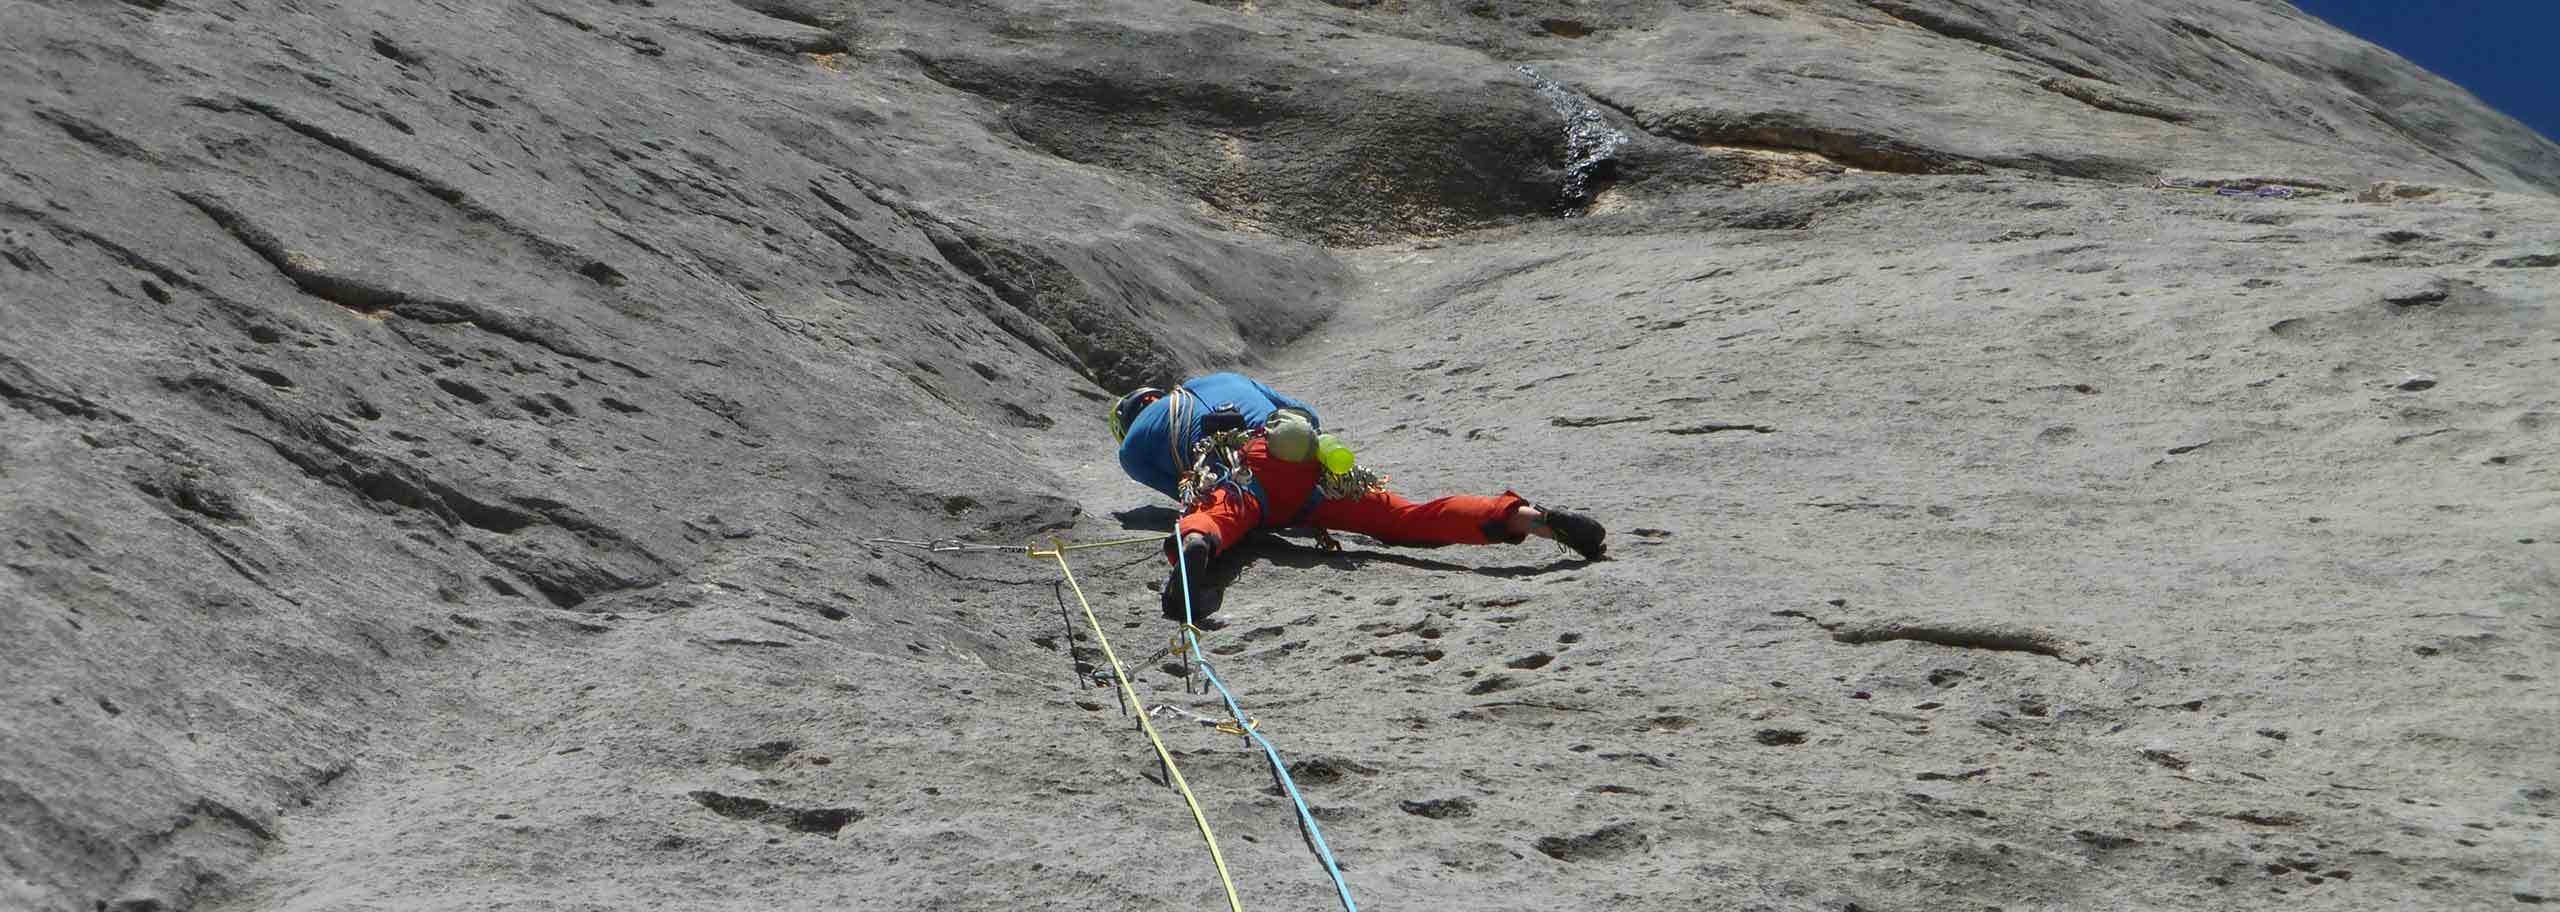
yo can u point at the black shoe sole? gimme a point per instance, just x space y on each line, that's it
1581 533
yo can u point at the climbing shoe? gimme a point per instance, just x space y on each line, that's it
1204 597
1581 533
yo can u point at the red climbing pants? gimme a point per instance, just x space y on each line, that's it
1227 515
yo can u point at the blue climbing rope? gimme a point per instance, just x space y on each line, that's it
1279 768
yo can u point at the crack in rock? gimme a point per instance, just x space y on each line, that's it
2106 97
1595 420
1609 842
1964 635
822 821
1961 28
1718 427
443 191
1440 808
373 298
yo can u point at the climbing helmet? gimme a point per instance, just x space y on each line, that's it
1126 410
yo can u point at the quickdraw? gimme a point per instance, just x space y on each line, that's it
1216 460
1221 726
940 545
1178 649
1351 485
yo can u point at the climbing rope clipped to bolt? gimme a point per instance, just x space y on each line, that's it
1185 644
1138 708
1246 727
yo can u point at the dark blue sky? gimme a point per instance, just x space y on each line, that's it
2505 51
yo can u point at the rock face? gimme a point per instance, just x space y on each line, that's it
442 450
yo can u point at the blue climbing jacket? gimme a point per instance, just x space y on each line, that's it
1156 453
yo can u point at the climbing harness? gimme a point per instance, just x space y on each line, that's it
1217 460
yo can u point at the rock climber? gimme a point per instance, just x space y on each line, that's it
1190 441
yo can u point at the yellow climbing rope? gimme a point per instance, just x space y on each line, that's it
1173 774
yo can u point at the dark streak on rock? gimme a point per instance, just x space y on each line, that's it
1717 427
1966 30
1959 635
2106 97
1596 420
1609 842
447 193
366 296
822 821
90 133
